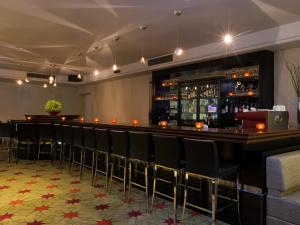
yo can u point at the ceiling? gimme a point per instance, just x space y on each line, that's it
78 35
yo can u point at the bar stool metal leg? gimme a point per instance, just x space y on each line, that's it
111 175
238 196
214 197
154 186
175 196
107 171
124 178
129 179
147 185
185 194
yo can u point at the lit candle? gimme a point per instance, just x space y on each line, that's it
82 119
163 123
246 74
96 120
199 125
250 93
260 127
63 118
114 121
28 117
135 122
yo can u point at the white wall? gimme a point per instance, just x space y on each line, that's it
124 99
16 101
284 92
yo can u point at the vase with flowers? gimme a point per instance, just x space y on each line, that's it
53 107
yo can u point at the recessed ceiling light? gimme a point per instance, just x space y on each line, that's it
178 51
19 82
96 72
227 39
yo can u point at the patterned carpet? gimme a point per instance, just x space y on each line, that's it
36 193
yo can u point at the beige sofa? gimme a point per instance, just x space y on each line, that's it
283 182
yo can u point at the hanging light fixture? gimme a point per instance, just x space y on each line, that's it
27 80
45 85
79 76
178 51
143 60
227 39
96 72
115 67
19 82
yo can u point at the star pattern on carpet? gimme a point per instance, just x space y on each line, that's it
2 187
24 191
41 208
36 223
74 190
16 202
135 213
100 195
6 216
104 222
47 196
170 221
71 215
102 207
73 201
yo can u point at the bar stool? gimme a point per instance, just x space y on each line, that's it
89 145
26 134
141 152
119 151
45 138
58 142
66 145
77 145
6 139
103 146
168 157
202 161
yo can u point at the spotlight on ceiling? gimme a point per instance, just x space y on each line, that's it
178 51
143 61
19 82
227 39
45 85
115 68
96 72
27 80
79 76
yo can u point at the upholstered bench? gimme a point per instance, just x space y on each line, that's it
283 182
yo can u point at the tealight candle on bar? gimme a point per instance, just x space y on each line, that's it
82 119
114 121
96 120
199 125
135 122
163 123
260 126
63 118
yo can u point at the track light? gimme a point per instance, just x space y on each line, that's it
96 72
143 61
227 39
19 82
178 51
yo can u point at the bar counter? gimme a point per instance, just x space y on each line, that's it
245 147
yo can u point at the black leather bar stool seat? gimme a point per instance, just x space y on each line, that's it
77 147
168 156
6 139
202 162
26 134
103 148
119 152
140 152
45 140
89 146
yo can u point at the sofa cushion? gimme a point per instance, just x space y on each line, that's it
286 208
283 172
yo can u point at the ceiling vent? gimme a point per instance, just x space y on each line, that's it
160 60
38 76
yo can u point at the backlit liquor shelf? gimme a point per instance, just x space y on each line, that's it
214 92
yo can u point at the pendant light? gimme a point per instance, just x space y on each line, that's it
143 60
115 67
178 51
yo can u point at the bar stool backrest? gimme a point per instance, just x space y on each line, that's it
26 131
59 133
120 143
168 151
77 137
5 130
89 137
45 131
201 157
140 146
103 140
67 134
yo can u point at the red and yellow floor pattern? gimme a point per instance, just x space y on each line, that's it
36 193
